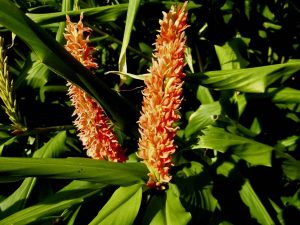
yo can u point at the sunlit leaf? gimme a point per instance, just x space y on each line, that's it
250 150
281 95
132 10
37 75
256 207
6 141
175 213
247 194
121 208
232 54
73 168
167 209
17 200
73 194
204 95
205 115
104 14
255 79
291 168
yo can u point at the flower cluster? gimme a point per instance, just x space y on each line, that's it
162 97
95 130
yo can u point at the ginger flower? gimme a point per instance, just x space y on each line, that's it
95 130
162 97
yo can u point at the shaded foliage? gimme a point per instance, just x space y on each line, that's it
238 156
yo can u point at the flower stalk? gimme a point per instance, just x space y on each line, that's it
162 97
7 93
95 129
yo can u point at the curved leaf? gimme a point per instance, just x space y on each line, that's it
247 194
73 194
202 117
195 184
167 209
252 151
17 200
232 54
122 207
132 10
255 79
256 207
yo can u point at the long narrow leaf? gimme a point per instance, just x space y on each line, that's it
101 13
132 10
246 193
255 79
122 207
256 207
17 200
73 194
175 213
280 95
167 209
73 168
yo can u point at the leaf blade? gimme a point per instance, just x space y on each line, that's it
75 169
124 199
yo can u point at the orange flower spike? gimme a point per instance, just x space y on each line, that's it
162 97
94 127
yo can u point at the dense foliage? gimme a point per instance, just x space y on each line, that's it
238 146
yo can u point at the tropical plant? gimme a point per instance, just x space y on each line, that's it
220 148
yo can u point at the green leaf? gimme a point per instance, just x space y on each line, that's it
250 150
66 5
167 209
293 200
121 74
73 194
37 75
205 115
6 141
17 200
131 13
291 168
254 80
189 58
283 95
175 213
101 13
57 59
195 184
101 171
54 148
246 192
122 207
232 54
204 95
256 207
